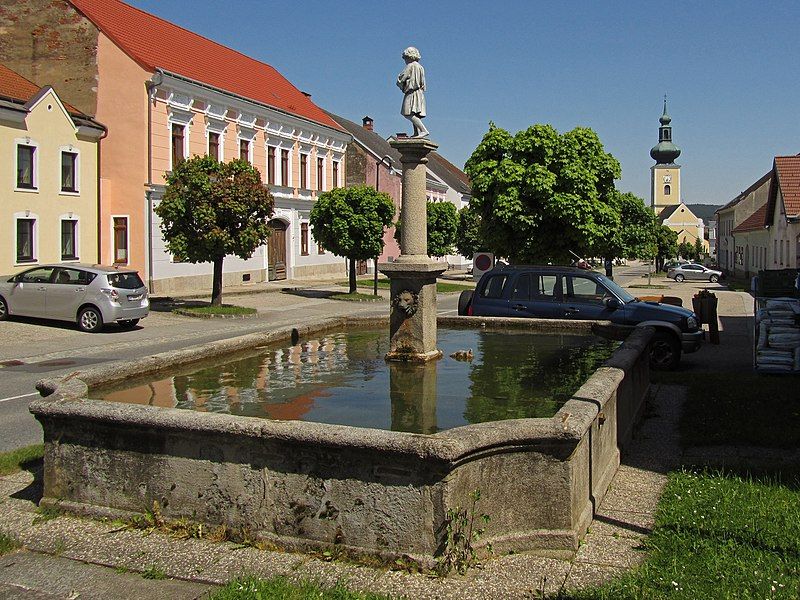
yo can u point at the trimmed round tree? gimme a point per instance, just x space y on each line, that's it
542 195
212 209
441 225
468 233
636 235
442 228
350 222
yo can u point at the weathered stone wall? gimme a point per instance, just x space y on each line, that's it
50 43
355 165
307 485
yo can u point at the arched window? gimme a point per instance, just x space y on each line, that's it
667 190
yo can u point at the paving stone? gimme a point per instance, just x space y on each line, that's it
62 578
622 523
583 575
621 552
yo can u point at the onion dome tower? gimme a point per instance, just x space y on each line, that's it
665 175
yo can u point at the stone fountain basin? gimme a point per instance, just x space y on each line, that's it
312 486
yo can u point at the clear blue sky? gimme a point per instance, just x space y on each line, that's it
730 69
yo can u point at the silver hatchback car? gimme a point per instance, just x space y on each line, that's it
90 295
694 271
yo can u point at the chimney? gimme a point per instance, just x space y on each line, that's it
367 123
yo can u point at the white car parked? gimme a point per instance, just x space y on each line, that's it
90 295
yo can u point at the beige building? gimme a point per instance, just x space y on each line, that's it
685 223
740 226
49 182
760 228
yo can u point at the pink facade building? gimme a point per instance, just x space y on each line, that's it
166 94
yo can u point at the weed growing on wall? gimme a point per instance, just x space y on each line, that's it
463 528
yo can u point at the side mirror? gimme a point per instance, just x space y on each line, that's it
612 303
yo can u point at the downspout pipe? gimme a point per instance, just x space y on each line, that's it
151 85
99 200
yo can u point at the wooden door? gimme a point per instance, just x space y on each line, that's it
276 251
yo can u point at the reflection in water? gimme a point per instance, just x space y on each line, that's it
343 378
412 392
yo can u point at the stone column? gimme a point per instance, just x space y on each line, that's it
413 275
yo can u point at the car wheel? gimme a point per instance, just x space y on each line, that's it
714 278
128 323
665 351
463 302
90 320
3 309
679 278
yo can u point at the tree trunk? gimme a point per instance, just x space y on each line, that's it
352 276
216 287
375 281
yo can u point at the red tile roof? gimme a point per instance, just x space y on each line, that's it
15 87
754 222
158 44
788 169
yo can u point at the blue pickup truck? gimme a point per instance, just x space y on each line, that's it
548 292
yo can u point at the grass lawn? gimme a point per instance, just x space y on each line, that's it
223 309
246 588
16 460
383 284
738 408
717 536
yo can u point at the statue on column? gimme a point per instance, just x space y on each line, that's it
412 81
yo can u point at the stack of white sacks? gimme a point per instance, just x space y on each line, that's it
778 327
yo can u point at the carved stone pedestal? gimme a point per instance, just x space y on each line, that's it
412 323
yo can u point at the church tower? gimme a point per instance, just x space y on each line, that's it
665 175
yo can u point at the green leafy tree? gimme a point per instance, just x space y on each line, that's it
468 232
636 235
699 250
212 209
666 244
687 250
442 227
350 222
541 194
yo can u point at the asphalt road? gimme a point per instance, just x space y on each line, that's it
51 349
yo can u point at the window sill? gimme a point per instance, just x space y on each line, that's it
27 190
26 262
69 193
70 259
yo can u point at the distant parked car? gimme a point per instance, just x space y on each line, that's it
90 295
553 292
694 271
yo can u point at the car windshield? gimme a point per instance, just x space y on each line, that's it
125 281
618 291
